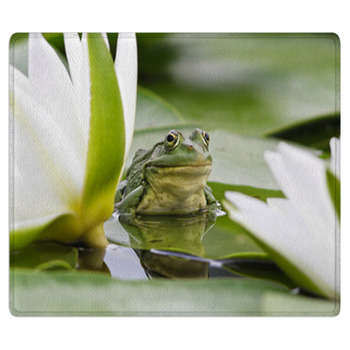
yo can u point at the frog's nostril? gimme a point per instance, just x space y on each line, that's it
189 147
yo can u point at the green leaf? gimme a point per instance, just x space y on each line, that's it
81 293
107 135
251 84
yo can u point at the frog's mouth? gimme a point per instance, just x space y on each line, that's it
180 170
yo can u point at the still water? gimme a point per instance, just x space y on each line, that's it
199 246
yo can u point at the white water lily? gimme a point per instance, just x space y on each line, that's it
300 231
70 136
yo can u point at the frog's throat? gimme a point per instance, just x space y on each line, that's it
175 190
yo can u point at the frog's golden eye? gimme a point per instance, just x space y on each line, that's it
172 139
206 138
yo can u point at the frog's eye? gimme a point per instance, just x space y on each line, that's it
172 139
206 138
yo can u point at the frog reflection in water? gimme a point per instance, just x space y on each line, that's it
155 239
170 178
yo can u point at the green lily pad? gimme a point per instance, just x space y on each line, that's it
153 112
219 190
315 133
82 293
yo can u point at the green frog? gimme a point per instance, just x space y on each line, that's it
170 178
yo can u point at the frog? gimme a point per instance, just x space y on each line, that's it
170 178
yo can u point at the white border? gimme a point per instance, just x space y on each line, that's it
179 16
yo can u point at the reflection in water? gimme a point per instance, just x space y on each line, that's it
168 232
156 239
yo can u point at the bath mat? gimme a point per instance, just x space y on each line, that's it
174 174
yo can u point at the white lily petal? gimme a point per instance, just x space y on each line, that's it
126 69
59 129
306 247
335 157
78 60
105 38
74 52
48 77
302 227
302 177
35 121
31 162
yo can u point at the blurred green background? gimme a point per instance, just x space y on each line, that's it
252 84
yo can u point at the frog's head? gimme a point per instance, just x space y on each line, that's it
179 166
177 151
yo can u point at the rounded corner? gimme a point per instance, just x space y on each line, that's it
13 311
335 37
14 37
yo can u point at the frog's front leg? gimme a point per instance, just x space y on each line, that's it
212 202
130 202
